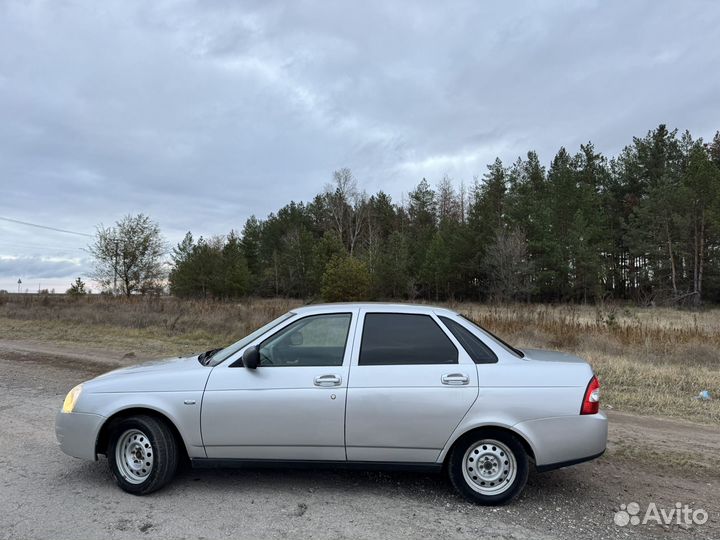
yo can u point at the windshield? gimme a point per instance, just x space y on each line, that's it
505 345
227 352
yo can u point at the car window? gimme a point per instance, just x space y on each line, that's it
509 348
403 338
317 340
227 352
473 345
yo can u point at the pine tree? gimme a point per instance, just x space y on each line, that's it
392 277
77 288
236 275
422 222
702 182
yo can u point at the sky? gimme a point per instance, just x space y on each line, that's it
202 113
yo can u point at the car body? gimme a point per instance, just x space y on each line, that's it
363 385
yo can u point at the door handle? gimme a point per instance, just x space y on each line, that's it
455 379
327 380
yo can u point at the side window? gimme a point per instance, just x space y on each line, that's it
398 339
317 340
478 351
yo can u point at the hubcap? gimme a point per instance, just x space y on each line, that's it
134 456
489 467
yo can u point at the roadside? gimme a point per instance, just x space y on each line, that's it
46 494
649 361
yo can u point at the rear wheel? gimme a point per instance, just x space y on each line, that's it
142 454
488 467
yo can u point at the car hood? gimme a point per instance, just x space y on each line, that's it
166 375
164 364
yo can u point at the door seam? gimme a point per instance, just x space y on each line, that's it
347 386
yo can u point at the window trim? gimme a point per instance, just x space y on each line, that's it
262 339
493 358
429 316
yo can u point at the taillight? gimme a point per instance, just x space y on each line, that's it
591 400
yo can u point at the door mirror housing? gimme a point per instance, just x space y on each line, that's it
251 357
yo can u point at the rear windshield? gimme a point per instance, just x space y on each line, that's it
512 350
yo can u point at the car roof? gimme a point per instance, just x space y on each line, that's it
370 306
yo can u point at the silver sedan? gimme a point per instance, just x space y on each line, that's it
346 385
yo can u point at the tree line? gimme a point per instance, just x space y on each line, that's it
641 226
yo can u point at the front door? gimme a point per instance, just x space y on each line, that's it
410 386
292 407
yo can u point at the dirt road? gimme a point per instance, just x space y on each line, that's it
45 494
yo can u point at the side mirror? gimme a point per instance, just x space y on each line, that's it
251 358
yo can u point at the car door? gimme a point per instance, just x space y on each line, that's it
292 407
410 385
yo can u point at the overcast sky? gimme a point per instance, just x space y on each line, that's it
203 113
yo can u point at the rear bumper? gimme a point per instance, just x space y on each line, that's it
565 440
553 466
76 433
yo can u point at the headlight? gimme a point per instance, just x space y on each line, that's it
71 399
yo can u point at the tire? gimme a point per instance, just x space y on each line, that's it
142 454
503 470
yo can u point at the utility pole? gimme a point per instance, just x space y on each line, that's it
19 283
115 272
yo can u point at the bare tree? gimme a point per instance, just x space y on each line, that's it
338 195
358 219
508 265
129 256
348 207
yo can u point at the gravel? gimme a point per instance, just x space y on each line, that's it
45 494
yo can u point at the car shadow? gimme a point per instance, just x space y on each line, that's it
265 482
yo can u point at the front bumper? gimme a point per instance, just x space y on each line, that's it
565 440
77 433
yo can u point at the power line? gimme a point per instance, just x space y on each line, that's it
45 227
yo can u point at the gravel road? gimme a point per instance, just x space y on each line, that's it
45 494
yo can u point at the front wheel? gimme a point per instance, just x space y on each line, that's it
489 467
142 454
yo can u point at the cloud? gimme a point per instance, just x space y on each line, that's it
32 268
202 113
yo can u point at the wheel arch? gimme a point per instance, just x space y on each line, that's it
477 430
102 440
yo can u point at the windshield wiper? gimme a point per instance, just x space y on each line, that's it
205 357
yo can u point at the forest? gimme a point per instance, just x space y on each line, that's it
642 226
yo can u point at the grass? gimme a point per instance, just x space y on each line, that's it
666 461
649 360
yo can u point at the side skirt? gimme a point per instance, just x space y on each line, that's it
221 463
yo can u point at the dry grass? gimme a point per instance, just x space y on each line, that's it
145 326
667 461
649 360
652 361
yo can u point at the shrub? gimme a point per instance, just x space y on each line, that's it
346 279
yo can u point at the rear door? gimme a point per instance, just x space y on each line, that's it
410 385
